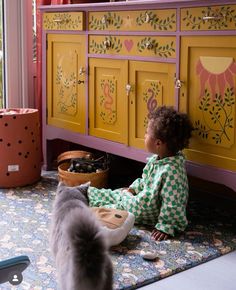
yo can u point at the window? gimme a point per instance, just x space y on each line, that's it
18 53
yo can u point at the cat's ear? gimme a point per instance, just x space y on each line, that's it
61 184
85 185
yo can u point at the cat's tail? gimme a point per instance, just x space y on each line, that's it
88 246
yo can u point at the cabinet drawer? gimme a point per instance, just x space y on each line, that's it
63 21
146 20
164 46
209 18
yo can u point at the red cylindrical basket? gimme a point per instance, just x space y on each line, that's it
20 153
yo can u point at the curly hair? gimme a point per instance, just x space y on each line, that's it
171 127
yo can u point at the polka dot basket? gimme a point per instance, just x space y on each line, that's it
20 147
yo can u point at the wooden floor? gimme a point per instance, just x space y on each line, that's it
218 274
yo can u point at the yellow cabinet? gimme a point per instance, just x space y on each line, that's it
122 93
109 65
66 104
208 72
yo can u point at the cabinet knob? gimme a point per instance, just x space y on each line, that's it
217 17
178 83
128 89
149 45
61 20
107 44
82 71
105 20
147 18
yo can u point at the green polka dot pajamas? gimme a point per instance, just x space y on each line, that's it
160 195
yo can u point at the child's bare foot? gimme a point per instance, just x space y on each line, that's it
159 236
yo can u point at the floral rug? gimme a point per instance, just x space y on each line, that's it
24 228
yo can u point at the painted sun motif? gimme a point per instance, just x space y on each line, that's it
218 72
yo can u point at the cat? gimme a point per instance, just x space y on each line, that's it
78 244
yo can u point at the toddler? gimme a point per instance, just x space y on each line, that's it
160 196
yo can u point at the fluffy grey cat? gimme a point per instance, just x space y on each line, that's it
78 244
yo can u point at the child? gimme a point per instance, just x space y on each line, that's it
160 196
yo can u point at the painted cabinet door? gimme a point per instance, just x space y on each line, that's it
208 72
152 85
66 82
108 102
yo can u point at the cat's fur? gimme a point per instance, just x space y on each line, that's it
78 244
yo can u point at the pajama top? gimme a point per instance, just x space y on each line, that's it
160 195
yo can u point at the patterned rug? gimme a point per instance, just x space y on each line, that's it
25 216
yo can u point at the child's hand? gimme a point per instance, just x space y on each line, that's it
158 235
